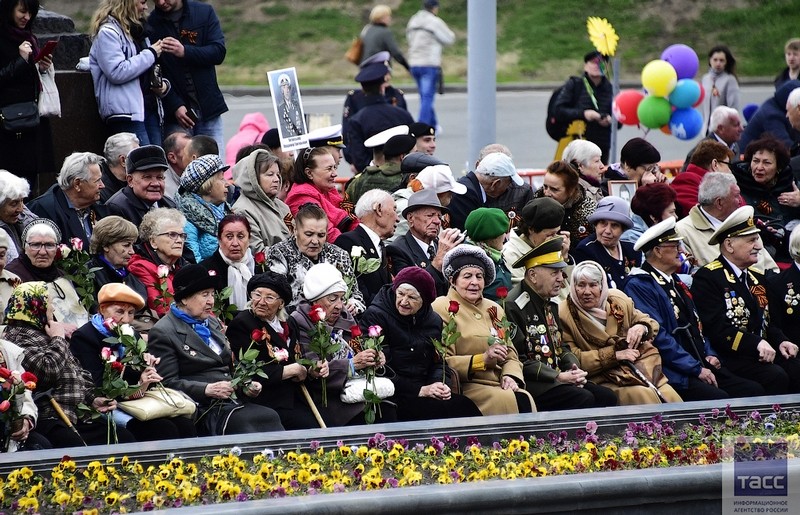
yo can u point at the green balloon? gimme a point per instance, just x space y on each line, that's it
654 112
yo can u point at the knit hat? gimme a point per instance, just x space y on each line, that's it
463 256
146 157
486 223
119 293
200 170
399 145
37 221
614 209
543 213
419 279
637 152
191 279
322 279
274 281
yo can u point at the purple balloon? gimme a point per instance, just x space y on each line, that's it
683 59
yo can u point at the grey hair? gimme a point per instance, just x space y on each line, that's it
794 243
581 151
794 98
366 202
713 186
720 115
590 271
76 166
492 148
119 145
157 218
12 187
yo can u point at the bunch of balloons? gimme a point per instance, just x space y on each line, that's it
672 95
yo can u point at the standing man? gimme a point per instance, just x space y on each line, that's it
193 45
427 34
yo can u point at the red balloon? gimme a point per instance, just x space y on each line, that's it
702 95
625 105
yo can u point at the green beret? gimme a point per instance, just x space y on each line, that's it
486 223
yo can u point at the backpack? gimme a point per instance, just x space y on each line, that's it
556 126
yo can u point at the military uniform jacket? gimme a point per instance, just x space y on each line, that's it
385 177
783 292
538 340
734 319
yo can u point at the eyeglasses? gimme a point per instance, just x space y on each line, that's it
173 235
724 162
652 168
257 297
37 246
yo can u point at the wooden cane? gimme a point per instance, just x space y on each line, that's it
313 406
63 416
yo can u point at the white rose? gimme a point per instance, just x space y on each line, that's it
126 330
356 252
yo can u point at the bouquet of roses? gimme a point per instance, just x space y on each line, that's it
73 260
12 390
450 336
320 344
373 341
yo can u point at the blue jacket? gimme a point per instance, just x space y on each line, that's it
771 117
650 298
204 46
117 65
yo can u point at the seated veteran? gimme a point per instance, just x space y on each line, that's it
783 292
691 365
734 311
552 372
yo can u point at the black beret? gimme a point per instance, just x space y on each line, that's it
399 145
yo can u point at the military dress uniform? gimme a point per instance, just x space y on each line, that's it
783 292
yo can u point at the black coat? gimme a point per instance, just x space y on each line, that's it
377 115
589 249
510 202
571 107
405 251
130 207
369 284
86 343
107 275
783 292
55 206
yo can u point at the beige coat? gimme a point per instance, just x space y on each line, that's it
583 335
482 386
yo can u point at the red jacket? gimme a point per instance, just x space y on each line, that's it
330 202
686 185
147 272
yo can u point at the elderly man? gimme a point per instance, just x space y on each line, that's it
113 168
692 367
423 245
174 145
725 126
494 183
388 176
376 210
73 203
734 309
552 372
146 167
717 196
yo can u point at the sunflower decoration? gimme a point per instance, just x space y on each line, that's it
603 37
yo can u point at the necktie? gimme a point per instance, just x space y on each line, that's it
431 252
743 277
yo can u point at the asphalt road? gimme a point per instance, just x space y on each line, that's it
520 124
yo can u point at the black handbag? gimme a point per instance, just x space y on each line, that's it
21 117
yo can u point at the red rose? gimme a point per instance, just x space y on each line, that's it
260 258
316 313
5 373
355 331
502 292
453 307
29 376
257 335
116 366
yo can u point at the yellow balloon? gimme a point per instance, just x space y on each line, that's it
659 78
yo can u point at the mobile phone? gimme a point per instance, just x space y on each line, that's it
156 78
192 114
46 50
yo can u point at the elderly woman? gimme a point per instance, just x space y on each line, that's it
202 200
196 359
325 288
487 228
14 216
617 258
490 375
259 178
403 310
159 255
38 263
314 181
767 183
269 293
48 356
119 303
8 280
650 204
562 184
111 248
610 337
307 247
22 436
586 156
233 261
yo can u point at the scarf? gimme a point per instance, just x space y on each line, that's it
19 35
599 313
47 274
239 272
119 271
28 303
204 215
199 326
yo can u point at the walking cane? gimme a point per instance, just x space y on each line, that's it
313 406
638 373
60 412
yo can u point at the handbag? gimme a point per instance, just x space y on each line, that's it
21 117
355 51
353 391
49 99
159 403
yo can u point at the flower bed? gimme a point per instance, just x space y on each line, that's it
124 485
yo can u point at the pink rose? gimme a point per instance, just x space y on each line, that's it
110 324
5 406
77 244
281 355
374 331
163 271
62 251
106 353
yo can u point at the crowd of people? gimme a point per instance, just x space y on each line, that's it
264 295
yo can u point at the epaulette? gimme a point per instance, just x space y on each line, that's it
714 265
351 92
522 300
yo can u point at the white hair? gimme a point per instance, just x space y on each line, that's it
12 187
76 166
581 151
119 145
794 99
714 185
720 116
794 243
367 202
492 148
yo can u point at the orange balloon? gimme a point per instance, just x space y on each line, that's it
666 130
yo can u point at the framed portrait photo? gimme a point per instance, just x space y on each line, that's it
622 189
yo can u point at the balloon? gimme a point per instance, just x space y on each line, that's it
685 94
654 112
659 78
625 105
683 59
749 110
686 123
702 96
666 130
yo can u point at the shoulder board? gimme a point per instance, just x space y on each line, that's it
714 265
351 92
522 300
400 91
755 270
